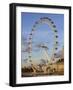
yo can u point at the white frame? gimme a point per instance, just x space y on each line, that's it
20 79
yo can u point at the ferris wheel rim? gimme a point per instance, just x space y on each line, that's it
51 25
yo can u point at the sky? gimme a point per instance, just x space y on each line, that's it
43 33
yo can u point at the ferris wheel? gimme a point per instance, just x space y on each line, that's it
43 46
